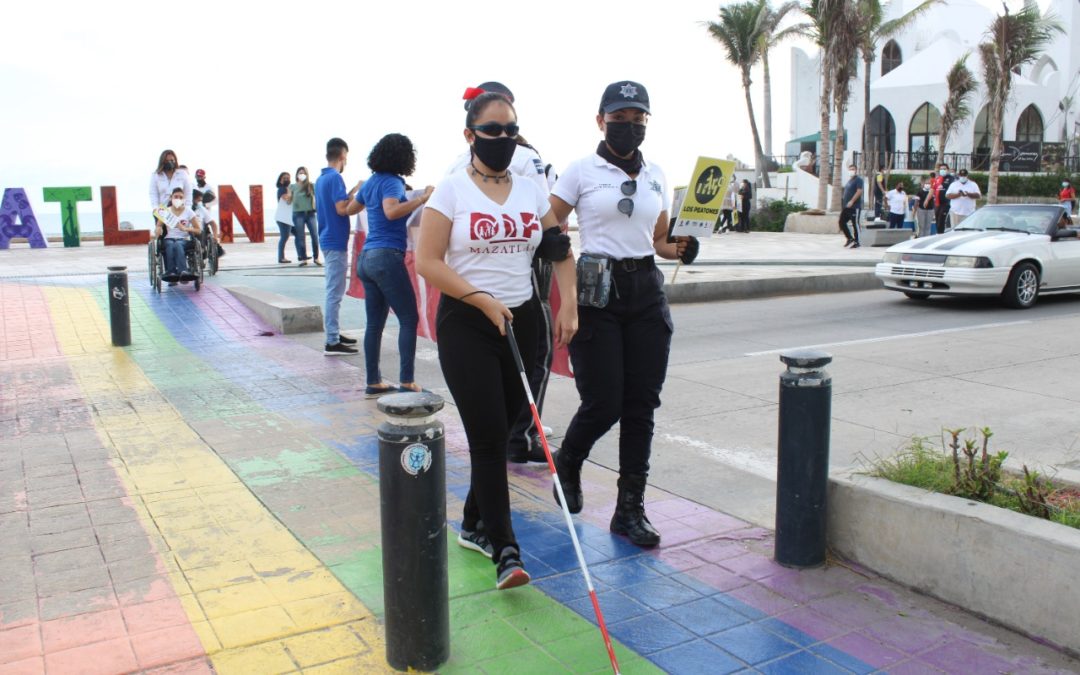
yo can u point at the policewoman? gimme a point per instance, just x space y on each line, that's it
620 352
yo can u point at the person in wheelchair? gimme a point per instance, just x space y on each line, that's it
201 202
176 224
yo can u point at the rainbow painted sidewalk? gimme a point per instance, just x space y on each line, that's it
206 500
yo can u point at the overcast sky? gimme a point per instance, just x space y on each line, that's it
94 91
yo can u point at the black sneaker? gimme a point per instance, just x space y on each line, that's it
511 572
346 340
855 245
475 540
339 349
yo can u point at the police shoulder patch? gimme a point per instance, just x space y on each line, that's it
539 165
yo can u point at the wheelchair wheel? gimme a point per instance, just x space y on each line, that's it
211 256
196 263
153 265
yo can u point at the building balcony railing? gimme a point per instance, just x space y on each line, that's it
1016 158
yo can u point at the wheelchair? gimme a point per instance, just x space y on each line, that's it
193 250
209 250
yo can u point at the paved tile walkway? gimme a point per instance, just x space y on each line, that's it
207 501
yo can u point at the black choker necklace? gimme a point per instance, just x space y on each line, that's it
497 179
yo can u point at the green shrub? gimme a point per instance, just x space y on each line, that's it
1031 185
772 214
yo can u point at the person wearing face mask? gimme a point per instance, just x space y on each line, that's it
524 444
478 235
177 222
620 354
924 212
302 193
283 217
333 207
962 194
167 177
897 200
940 188
1067 197
851 206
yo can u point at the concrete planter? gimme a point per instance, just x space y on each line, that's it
828 223
1020 571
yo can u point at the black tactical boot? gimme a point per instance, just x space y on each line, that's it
569 470
629 519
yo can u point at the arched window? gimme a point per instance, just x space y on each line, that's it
890 57
1029 128
981 156
882 136
922 133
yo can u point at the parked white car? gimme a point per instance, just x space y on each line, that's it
1017 251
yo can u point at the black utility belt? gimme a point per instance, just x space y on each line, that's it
594 274
633 264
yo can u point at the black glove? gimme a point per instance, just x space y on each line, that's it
693 246
554 245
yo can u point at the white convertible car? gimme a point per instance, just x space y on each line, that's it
1016 251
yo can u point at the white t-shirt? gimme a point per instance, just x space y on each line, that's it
173 221
492 245
962 206
283 214
525 163
204 214
593 187
897 201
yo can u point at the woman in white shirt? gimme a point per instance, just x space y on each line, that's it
620 353
167 177
177 222
478 235
897 199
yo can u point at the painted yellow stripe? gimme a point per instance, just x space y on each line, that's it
259 601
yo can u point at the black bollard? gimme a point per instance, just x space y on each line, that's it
802 458
412 498
119 309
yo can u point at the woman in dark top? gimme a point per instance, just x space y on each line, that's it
746 196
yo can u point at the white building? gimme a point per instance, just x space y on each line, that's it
908 91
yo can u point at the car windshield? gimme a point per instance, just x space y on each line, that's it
1033 219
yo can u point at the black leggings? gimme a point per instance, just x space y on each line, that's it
480 371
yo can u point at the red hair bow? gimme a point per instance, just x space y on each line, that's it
471 93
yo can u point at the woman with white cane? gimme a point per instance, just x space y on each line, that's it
478 235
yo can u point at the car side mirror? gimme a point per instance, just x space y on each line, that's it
1065 234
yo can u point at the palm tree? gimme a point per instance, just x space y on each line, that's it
961 85
833 28
873 28
1013 40
771 36
739 31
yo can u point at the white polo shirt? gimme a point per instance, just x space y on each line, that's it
962 206
593 186
492 244
897 201
525 163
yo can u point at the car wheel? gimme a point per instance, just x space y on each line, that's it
917 295
1022 289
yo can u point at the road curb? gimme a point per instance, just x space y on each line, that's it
741 289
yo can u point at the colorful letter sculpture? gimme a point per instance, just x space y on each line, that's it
69 197
229 204
114 236
17 220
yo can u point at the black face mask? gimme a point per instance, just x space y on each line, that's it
169 166
624 137
496 153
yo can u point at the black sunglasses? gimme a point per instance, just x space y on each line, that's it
496 129
626 205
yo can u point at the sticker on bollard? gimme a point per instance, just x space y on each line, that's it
802 458
119 310
412 499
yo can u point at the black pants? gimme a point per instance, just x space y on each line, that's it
480 371
725 220
744 220
941 216
850 215
545 351
620 356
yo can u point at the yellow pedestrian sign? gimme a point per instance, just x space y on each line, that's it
704 198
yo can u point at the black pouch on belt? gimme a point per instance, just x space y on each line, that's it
593 280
